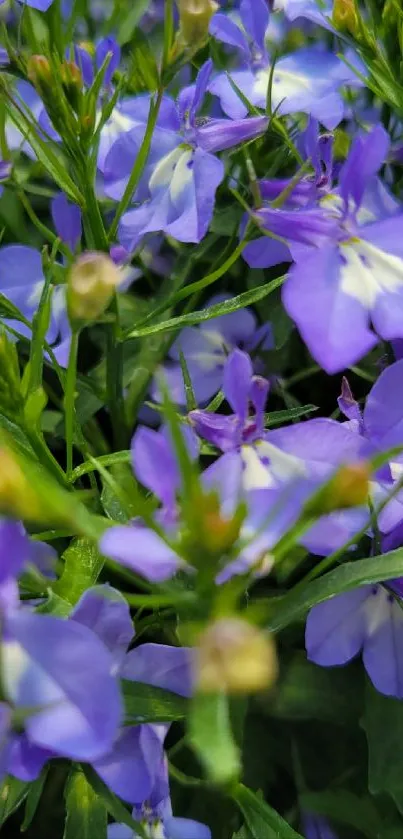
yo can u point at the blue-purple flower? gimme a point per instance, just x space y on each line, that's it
177 190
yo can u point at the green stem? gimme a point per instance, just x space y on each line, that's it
114 378
69 400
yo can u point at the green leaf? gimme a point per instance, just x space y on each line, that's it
307 692
215 311
55 167
113 805
261 819
211 737
19 438
278 417
345 807
350 575
86 814
33 797
82 566
130 20
383 724
12 794
145 703
143 71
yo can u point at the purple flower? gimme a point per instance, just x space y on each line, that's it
41 5
306 80
206 349
155 814
178 186
352 255
369 620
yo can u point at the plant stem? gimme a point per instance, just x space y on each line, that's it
69 400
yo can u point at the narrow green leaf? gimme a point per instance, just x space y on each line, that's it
191 402
215 311
55 167
130 19
86 814
34 796
12 794
19 438
105 460
350 575
278 417
211 737
82 566
145 703
261 819
113 804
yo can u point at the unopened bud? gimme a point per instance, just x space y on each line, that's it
194 19
91 282
346 17
39 73
72 81
18 497
235 657
348 488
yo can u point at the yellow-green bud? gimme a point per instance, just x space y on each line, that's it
72 81
90 285
194 19
348 488
235 657
346 17
39 73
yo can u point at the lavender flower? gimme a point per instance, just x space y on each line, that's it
307 80
178 186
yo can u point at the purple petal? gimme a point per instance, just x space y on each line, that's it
255 19
130 768
15 549
108 47
104 610
265 252
220 134
142 550
334 325
220 430
154 464
383 649
67 677
383 414
336 629
201 85
177 828
364 160
225 30
67 220
237 382
161 666
84 61
26 760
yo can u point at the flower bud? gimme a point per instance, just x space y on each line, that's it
194 19
348 488
345 16
39 73
72 82
90 286
235 657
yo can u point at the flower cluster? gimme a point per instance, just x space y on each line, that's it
201 419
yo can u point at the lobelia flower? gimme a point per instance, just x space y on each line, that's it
369 620
40 5
295 459
22 266
310 190
152 553
307 80
132 767
348 265
177 189
206 348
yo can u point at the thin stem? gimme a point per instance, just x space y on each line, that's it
69 401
